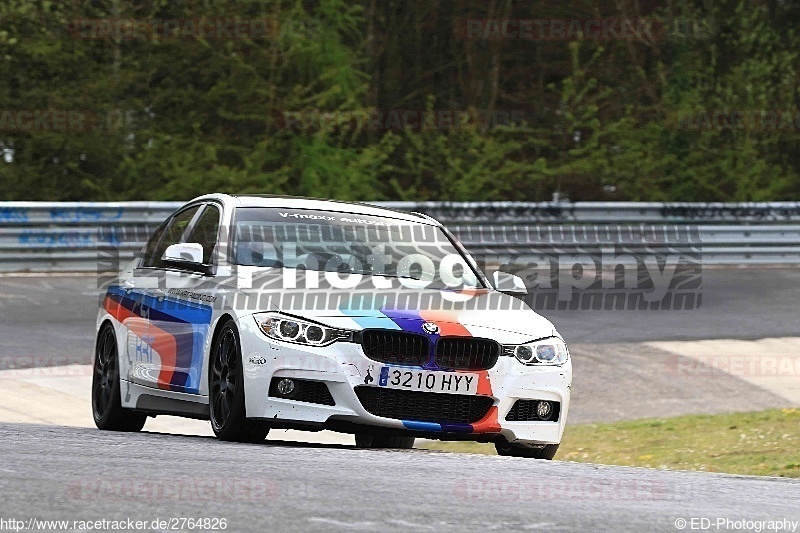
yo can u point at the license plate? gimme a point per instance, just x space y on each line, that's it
428 381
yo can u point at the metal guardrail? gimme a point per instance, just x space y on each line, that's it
107 214
37 236
77 213
604 212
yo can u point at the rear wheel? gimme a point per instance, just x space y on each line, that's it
226 391
372 440
107 407
503 447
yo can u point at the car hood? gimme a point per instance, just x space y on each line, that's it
472 312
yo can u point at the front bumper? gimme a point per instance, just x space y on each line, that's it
343 366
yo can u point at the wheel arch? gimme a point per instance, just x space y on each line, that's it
223 319
107 321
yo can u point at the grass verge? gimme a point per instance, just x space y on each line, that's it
765 443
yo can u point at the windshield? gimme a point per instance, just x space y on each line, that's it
349 244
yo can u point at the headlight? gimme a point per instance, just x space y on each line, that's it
550 351
290 329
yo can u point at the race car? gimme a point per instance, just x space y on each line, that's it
260 312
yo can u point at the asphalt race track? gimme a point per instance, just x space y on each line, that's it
84 474
76 473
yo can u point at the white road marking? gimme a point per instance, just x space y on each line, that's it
342 524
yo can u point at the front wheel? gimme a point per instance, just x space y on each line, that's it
372 440
107 407
226 391
503 447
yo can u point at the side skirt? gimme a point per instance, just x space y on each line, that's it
162 402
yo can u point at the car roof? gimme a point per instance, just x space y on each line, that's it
317 204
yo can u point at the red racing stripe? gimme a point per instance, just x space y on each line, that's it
447 322
162 342
487 424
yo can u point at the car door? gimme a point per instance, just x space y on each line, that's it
184 308
160 332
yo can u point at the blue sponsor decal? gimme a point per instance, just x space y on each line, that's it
86 213
144 351
13 214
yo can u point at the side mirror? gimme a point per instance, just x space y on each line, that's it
508 283
186 256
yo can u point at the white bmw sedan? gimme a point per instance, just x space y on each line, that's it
278 312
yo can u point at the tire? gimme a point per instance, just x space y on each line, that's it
503 447
371 440
226 405
107 409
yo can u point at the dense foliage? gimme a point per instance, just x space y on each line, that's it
400 99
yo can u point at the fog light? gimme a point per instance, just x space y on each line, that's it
285 387
543 410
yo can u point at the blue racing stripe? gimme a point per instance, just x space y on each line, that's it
412 322
168 309
377 321
422 426
457 428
